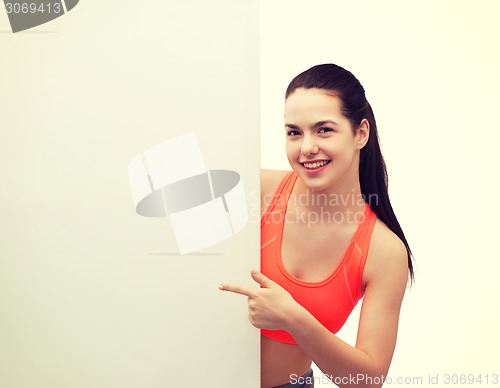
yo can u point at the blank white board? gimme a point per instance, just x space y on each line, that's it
93 294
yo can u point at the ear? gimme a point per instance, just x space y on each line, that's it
362 134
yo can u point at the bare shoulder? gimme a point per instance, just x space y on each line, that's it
269 182
387 256
270 179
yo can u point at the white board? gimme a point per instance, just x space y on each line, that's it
92 293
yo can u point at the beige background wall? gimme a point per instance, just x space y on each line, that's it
92 294
430 69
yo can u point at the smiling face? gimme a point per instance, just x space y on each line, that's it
321 145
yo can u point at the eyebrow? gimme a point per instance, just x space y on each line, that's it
315 125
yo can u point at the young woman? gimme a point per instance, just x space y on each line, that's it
329 238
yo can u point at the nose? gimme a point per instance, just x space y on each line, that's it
309 146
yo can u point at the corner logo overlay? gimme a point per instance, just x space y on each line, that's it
205 207
27 14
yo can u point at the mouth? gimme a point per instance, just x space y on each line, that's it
315 165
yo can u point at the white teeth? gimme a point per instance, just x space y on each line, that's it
315 164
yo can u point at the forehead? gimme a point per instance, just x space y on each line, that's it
314 105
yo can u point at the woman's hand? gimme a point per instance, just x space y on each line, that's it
269 307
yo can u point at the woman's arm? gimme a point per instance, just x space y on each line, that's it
369 361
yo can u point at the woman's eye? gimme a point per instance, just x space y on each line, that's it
293 133
325 129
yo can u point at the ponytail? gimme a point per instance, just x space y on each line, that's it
374 184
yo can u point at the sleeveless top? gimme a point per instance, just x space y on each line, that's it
331 300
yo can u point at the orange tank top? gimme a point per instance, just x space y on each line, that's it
331 300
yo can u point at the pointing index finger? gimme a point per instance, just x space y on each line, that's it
237 289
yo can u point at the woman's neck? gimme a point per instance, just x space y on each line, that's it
340 200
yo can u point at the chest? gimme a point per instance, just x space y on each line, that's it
311 252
